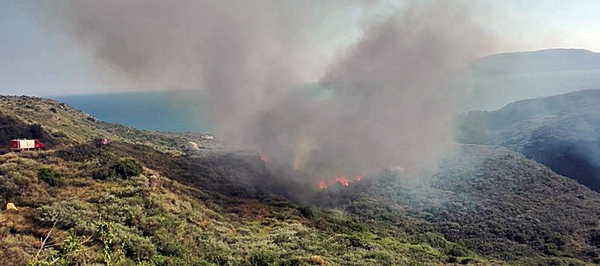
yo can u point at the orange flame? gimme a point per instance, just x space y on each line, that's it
341 179
263 157
322 185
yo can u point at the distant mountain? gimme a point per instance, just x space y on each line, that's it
503 78
562 132
536 62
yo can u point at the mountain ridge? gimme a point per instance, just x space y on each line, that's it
500 79
546 60
559 131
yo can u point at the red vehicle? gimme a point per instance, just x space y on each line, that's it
26 144
100 141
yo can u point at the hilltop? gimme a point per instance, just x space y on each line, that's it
143 199
559 131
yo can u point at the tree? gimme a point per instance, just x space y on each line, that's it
37 132
51 176
127 168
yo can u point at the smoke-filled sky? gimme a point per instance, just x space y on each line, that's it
384 75
42 60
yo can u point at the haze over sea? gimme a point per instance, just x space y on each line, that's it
157 111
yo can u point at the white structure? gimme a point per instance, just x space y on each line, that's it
207 136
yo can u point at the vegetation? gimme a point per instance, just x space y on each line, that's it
71 126
497 203
132 204
127 168
51 176
560 132
11 128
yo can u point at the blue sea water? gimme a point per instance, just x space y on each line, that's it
173 111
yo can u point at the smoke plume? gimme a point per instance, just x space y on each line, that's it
384 101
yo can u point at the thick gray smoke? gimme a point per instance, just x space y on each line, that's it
386 101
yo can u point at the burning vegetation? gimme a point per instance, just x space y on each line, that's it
385 99
340 179
323 183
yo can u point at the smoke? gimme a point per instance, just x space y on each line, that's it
384 101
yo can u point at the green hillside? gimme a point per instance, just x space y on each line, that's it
147 199
559 131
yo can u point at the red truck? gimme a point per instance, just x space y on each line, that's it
26 144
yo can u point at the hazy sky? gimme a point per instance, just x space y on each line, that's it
37 60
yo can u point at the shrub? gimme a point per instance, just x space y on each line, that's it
140 249
306 211
263 258
105 235
73 213
60 134
127 168
37 132
82 153
9 187
105 174
51 176
316 259
70 252
452 260
457 252
216 258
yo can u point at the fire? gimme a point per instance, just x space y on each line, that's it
263 157
322 185
340 179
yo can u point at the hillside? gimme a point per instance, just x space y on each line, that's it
480 206
560 132
498 203
500 79
70 126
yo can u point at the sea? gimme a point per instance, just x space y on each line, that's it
172 111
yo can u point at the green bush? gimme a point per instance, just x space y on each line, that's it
140 249
11 185
72 213
51 176
82 153
105 235
60 134
105 174
68 253
127 168
306 211
37 132
263 258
